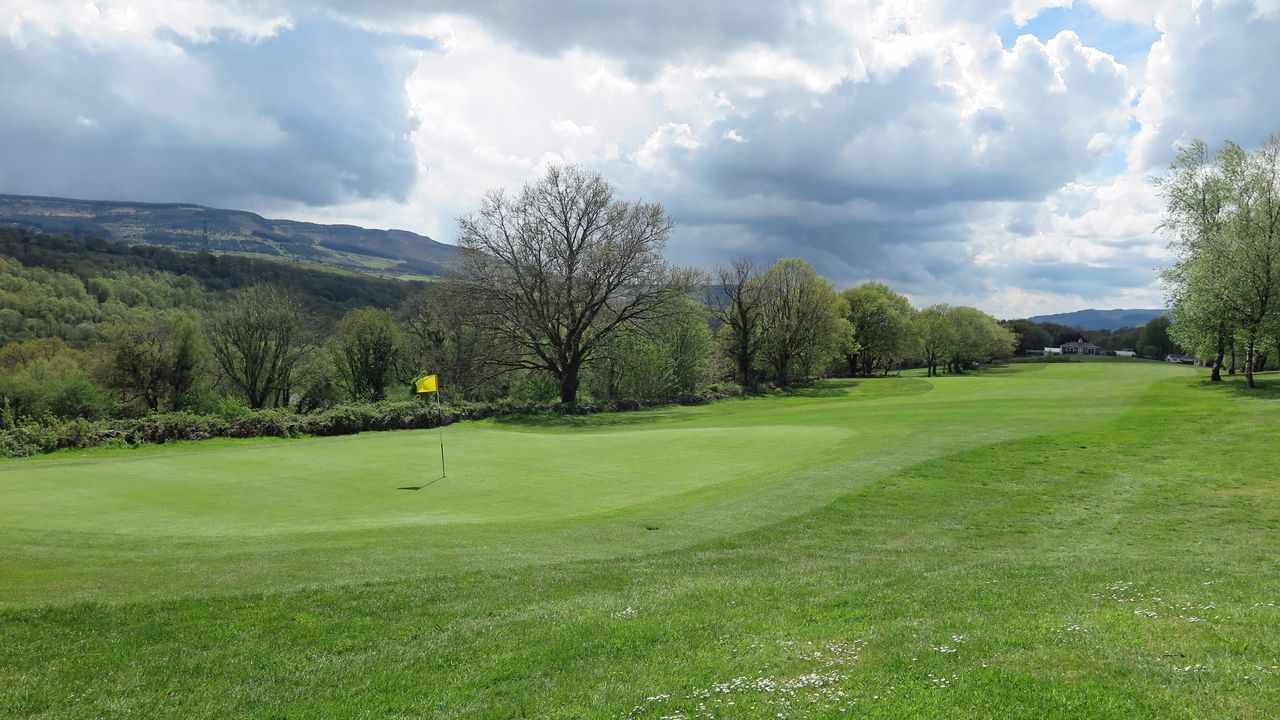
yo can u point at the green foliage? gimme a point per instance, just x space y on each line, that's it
1031 336
803 322
884 328
939 336
36 302
979 338
1155 342
158 362
660 360
688 340
31 438
1224 212
535 388
366 352
145 276
46 379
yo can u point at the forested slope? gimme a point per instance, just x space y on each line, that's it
70 289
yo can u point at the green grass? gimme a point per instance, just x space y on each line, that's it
1092 540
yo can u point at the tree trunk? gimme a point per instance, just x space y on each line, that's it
257 398
1248 364
569 387
1232 370
1222 346
853 365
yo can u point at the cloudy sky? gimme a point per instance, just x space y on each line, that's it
986 152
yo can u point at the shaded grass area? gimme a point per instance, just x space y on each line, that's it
1268 385
1120 567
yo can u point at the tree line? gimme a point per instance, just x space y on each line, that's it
563 295
1222 209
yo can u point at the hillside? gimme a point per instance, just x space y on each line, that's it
70 289
1100 319
195 227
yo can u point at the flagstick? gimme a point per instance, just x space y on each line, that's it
440 407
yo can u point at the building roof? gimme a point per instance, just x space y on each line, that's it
1079 343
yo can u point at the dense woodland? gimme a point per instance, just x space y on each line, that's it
562 298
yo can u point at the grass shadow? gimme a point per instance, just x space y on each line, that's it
419 487
823 389
1001 369
1268 386
615 419
863 388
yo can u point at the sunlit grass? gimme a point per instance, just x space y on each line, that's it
1082 540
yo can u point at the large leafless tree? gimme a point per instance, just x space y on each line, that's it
560 267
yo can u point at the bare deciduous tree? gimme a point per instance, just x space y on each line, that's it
562 266
445 339
258 341
739 304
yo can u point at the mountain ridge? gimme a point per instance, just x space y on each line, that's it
1096 319
189 226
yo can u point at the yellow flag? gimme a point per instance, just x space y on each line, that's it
426 384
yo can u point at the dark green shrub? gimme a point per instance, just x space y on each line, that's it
32 437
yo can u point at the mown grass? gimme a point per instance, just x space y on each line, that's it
1083 540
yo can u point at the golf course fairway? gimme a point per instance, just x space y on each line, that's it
1088 539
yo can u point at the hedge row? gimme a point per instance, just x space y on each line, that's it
44 437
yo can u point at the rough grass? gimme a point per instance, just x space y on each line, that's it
1080 540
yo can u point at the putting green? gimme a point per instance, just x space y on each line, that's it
366 481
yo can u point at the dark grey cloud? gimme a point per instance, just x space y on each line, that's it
1070 277
903 141
316 114
882 178
921 252
643 35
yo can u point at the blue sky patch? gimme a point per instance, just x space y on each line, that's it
1123 40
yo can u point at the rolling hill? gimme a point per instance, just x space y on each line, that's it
1100 319
195 227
